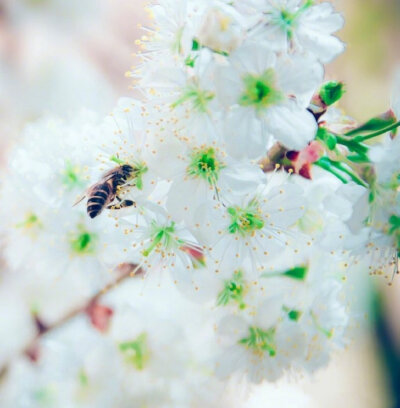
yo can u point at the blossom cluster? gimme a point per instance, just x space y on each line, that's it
223 214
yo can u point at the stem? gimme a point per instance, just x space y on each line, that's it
126 270
377 133
352 175
330 165
332 171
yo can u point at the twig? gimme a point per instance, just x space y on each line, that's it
126 271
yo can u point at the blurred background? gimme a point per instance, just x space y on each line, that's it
61 55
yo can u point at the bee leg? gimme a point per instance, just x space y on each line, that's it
122 204
127 203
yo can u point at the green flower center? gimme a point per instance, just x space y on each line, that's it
287 19
197 97
260 91
233 291
71 176
83 242
190 61
31 221
245 221
204 164
83 378
45 396
137 351
161 237
260 341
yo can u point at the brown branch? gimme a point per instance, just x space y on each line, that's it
125 271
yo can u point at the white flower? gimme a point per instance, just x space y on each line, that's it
300 25
154 241
325 324
385 158
71 371
250 229
331 211
381 241
48 242
288 320
163 345
257 347
265 95
174 27
188 89
200 173
221 30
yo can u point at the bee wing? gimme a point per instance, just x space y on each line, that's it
79 200
87 193
109 174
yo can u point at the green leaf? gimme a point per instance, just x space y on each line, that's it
331 92
394 222
373 125
353 145
298 272
195 45
294 315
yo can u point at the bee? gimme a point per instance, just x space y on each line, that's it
105 192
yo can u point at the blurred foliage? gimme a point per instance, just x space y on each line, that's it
372 34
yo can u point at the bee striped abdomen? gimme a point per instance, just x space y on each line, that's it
98 200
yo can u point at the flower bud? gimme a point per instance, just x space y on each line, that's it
331 92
